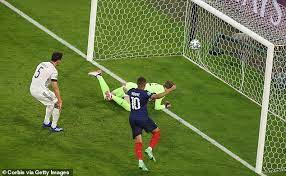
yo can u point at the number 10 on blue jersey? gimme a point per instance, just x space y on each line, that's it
135 103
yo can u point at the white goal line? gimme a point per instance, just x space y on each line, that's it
170 113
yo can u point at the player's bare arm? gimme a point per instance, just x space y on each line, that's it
57 93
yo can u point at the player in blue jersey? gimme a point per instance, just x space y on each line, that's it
139 119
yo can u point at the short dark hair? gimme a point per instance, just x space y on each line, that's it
141 81
168 84
57 56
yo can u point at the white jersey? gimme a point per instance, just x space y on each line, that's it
44 74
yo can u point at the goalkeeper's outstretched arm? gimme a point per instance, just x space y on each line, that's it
161 95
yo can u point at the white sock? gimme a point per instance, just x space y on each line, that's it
49 111
56 116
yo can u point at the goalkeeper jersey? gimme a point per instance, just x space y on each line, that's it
154 88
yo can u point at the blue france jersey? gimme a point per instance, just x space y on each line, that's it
138 102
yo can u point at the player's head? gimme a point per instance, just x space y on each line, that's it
141 82
168 84
57 57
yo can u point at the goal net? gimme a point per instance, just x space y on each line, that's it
139 28
239 59
243 44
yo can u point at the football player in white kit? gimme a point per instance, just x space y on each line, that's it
46 74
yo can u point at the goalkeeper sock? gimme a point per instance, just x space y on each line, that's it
122 102
49 111
138 150
155 139
104 87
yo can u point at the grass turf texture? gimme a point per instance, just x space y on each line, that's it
97 137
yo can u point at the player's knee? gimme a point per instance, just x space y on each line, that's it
50 107
157 130
156 134
138 139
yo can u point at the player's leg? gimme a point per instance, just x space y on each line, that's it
119 92
155 138
56 116
51 100
49 110
152 127
119 96
103 85
137 136
138 151
138 147
122 102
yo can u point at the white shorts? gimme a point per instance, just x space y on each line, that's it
46 97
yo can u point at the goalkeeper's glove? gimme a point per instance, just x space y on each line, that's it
167 104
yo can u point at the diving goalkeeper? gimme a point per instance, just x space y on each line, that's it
122 99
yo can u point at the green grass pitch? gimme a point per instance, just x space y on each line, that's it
97 138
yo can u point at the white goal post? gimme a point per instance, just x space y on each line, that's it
238 47
267 81
92 25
